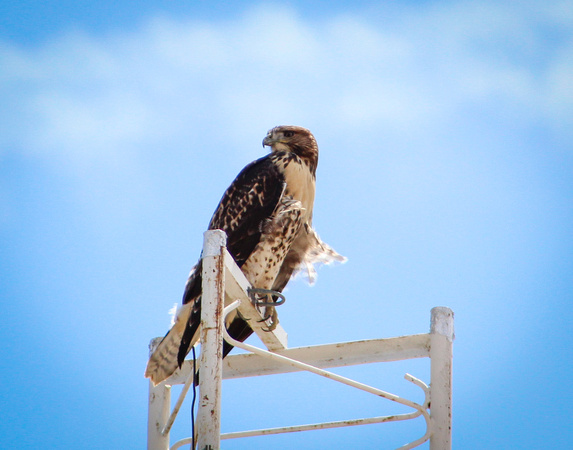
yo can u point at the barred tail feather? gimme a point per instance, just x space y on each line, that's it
163 362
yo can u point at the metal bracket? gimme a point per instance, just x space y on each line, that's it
419 409
254 294
227 284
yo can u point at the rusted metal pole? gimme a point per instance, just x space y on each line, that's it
211 367
441 343
158 411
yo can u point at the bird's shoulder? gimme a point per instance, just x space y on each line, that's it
254 192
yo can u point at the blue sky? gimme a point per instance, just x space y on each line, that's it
445 131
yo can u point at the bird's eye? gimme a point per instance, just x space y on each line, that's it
288 133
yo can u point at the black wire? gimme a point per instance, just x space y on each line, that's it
193 403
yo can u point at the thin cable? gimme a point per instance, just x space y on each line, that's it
193 404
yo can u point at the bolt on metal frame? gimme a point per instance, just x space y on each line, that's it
225 284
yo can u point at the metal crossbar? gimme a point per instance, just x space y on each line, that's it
224 283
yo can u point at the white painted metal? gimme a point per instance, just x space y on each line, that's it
336 424
333 376
158 411
159 403
346 423
322 356
307 367
330 355
178 404
441 344
213 293
222 279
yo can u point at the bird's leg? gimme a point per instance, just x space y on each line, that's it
271 313
259 301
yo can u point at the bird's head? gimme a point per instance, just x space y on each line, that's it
297 140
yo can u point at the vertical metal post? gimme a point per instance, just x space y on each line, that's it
211 366
158 412
441 343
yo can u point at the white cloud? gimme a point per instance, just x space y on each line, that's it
83 98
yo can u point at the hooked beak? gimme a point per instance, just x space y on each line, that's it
268 140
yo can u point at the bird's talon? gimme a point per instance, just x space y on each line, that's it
272 327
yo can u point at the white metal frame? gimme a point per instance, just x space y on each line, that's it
224 283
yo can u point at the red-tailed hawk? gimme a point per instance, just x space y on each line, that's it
267 215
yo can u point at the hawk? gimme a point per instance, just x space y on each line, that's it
267 215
